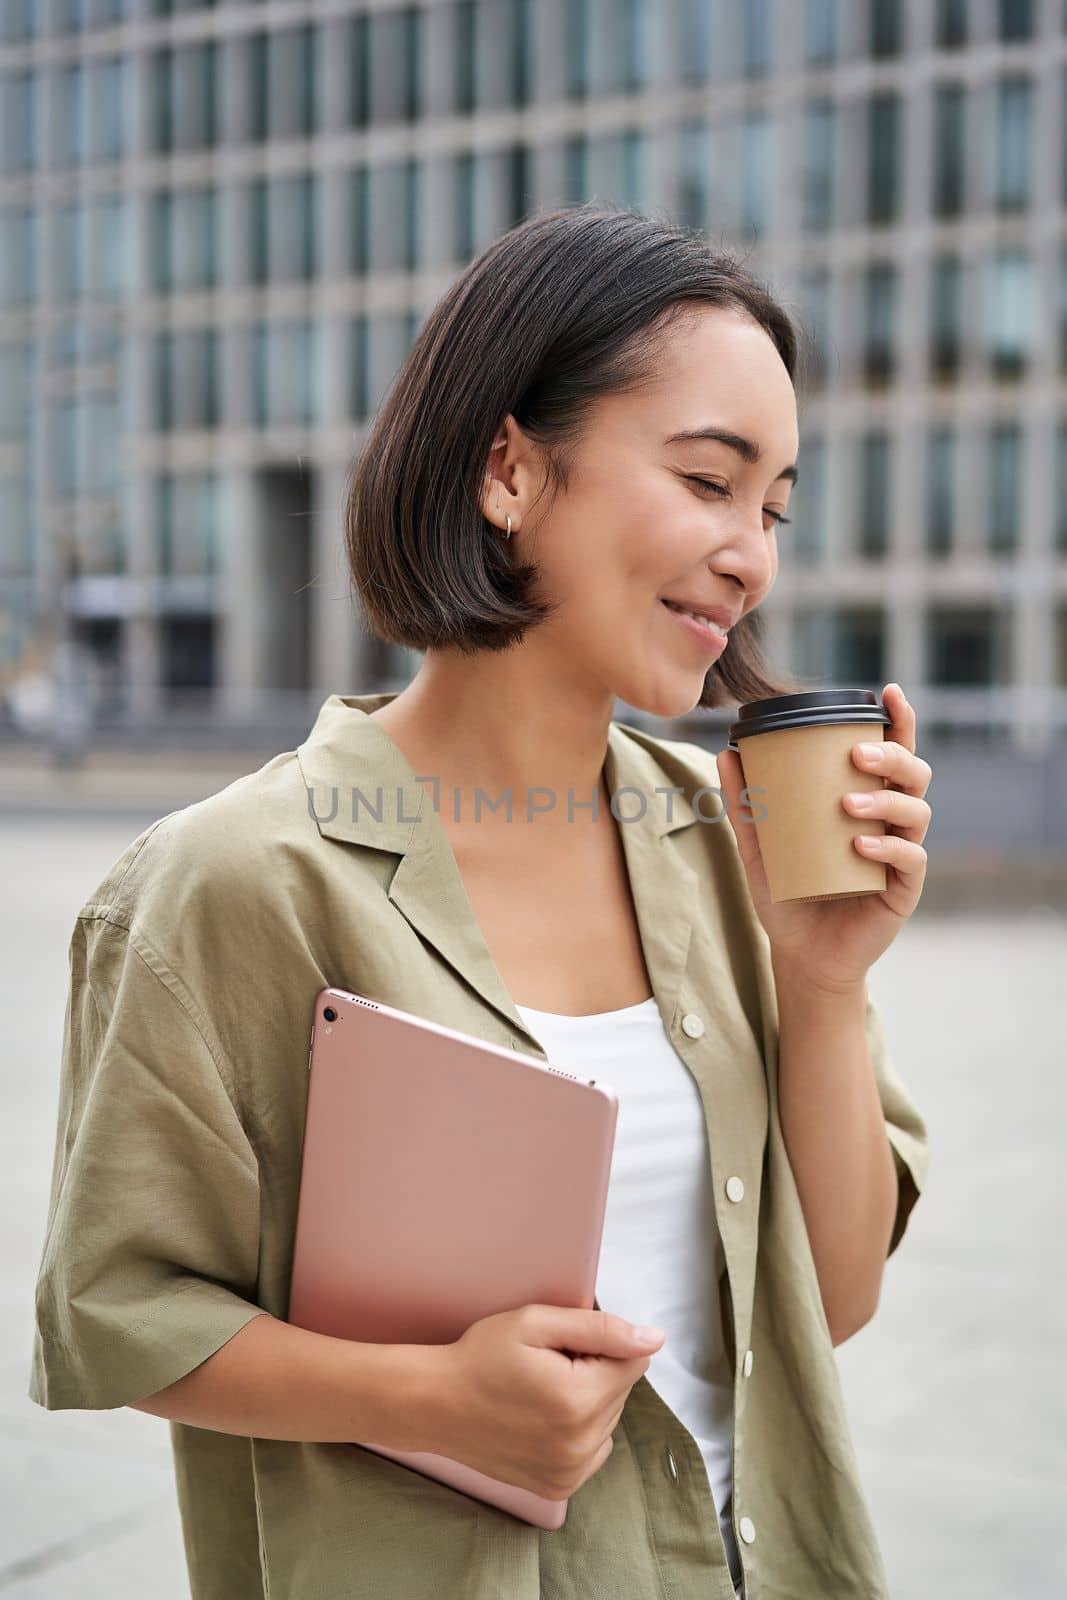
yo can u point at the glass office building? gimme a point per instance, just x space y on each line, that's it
221 225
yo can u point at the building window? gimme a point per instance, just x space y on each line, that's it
940 490
576 48
358 367
1015 19
391 334
873 536
409 28
189 238
950 24
518 175
1004 487
694 40
285 382
196 372
259 86
814 294
18 19
394 212
967 647
187 379
693 173
1012 313
359 229
465 58
70 255
18 255
633 151
859 645
949 150
292 227
107 110
818 172
108 266
16 398
282 88
635 45
946 277
522 52
808 503
291 64
820 32
68 121
409 181
575 169
1061 487
756 38
17 98
883 122
16 534
194 89
842 646
879 322
756 179
65 459
884 30
358 75
259 231
1014 143
100 474
464 214
188 524
187 656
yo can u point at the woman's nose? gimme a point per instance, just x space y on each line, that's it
748 555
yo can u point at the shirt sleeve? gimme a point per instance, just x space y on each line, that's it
150 1257
904 1125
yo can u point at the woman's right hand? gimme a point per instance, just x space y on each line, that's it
533 1396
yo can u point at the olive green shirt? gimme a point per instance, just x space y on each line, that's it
194 966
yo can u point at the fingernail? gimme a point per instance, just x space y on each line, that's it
648 1335
861 802
870 841
871 752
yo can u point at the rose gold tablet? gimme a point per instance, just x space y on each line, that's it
444 1179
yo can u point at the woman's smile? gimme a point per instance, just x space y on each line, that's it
707 634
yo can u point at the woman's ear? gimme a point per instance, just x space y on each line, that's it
498 500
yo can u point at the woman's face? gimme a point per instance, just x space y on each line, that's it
648 516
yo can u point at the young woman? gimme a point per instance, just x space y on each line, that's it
596 426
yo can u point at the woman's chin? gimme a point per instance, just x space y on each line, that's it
667 700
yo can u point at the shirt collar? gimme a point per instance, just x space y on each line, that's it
361 790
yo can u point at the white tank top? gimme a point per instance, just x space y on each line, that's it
662 1254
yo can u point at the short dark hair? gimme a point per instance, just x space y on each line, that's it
568 306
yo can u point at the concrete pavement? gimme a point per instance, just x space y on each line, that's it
955 1390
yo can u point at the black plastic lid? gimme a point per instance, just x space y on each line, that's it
808 710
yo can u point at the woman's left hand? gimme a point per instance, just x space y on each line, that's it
832 943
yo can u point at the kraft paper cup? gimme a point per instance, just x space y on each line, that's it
795 755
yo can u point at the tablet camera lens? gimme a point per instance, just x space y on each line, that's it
330 1014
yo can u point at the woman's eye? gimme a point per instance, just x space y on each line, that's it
780 520
716 488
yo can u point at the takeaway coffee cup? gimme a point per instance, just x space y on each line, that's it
795 754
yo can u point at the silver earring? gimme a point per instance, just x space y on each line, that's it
508 534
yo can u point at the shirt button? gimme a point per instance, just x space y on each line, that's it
746 1366
692 1025
671 1468
735 1189
747 1529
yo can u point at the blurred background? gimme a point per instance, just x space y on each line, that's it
221 226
